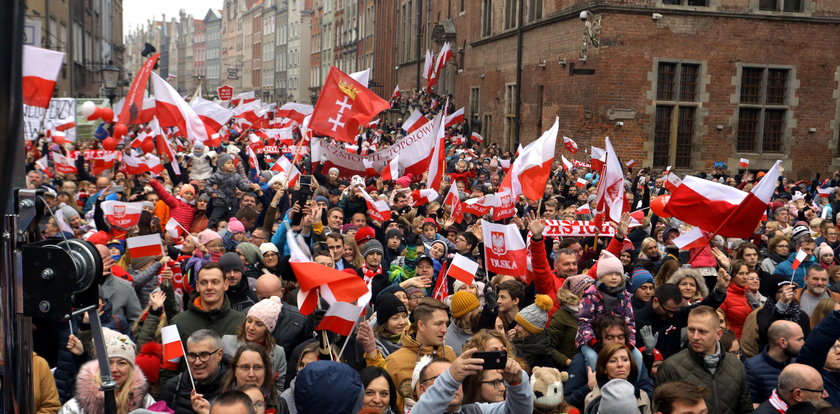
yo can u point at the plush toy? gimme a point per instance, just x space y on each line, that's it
547 386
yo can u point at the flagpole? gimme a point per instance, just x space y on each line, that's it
340 353
713 234
189 370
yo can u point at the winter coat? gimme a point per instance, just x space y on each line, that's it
200 167
179 209
763 375
576 388
343 396
400 364
593 401
177 390
241 296
754 334
592 306
786 269
43 387
145 282
227 184
90 400
519 398
562 330
727 389
536 350
736 308
225 320
120 294
291 329
278 357
455 337
816 349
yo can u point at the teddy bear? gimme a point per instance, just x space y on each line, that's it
547 387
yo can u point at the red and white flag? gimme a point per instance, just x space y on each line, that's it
414 121
668 170
570 145
672 182
172 111
253 162
801 256
825 192
396 93
64 165
243 98
173 228
531 169
745 163
134 108
172 346
142 165
343 106
122 214
691 239
584 209
43 164
142 246
295 111
475 136
284 165
424 196
444 56
504 249
340 318
212 114
566 163
453 200
64 124
630 164
463 269
597 158
456 118
437 161
40 73
581 182
722 209
428 65
610 193
392 170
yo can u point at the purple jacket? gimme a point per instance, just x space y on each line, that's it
592 307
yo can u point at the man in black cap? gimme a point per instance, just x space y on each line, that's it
239 292
371 271
393 246
781 305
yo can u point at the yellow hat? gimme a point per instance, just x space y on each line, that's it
535 316
463 302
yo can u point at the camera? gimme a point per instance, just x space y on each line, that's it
585 15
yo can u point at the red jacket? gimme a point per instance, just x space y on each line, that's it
736 308
181 211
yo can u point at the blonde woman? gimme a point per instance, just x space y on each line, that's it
351 252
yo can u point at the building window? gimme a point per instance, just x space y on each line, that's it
474 96
703 3
486 127
676 113
762 109
511 10
486 18
510 115
780 5
535 10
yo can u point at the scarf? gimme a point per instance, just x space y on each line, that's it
713 361
369 274
394 339
573 310
610 295
778 403
776 258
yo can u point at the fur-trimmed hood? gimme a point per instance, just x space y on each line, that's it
682 273
92 401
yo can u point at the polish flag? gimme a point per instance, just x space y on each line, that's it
745 163
173 349
636 219
566 163
668 170
414 122
610 193
825 192
141 139
476 206
63 164
584 209
212 114
672 182
458 140
140 165
396 93
691 239
103 163
597 158
504 249
284 165
581 182
456 118
378 209
801 256
369 171
373 124
391 171
437 161
243 98
340 318
444 56
333 285
476 137
424 196
43 164
531 169
172 111
40 73
630 164
122 214
142 246
173 228
428 65
252 160
250 112
722 209
454 201
463 269
163 146
570 145
295 111
65 124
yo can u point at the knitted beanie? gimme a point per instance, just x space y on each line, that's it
149 360
640 277
138 263
800 230
823 248
207 236
251 252
121 346
334 170
618 397
463 302
393 233
231 261
372 246
223 159
535 316
578 284
267 311
608 263
404 181
268 247
69 212
236 226
388 305
185 189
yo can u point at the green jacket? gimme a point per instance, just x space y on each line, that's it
224 321
727 388
562 331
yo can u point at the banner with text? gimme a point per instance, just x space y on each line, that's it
576 228
33 116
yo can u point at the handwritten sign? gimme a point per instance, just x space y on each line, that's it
33 116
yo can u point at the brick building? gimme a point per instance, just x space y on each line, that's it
673 82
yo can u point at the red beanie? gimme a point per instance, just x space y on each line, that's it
149 360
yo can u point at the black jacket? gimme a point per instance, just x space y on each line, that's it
670 329
290 330
177 390
241 296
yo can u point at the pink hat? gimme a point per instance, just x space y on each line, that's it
404 181
267 311
578 284
185 188
608 263
207 236
236 226
824 248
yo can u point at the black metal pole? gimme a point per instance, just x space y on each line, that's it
519 34
419 39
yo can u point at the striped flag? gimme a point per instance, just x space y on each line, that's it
340 318
691 239
462 269
581 182
745 163
801 256
172 346
142 246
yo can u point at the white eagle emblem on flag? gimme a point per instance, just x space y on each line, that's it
497 242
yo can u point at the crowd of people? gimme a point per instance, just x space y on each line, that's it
621 324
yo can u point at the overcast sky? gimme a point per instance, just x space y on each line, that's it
136 12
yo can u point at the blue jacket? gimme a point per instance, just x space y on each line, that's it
786 269
763 375
815 351
345 389
576 388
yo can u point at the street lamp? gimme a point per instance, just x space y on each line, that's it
110 77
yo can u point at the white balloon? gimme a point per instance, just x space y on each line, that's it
88 108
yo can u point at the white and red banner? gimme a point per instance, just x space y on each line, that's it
475 136
243 97
172 111
396 93
576 228
504 249
414 121
456 118
581 182
744 163
463 269
295 111
825 192
142 246
672 182
213 115
122 214
570 145
391 171
64 165
437 162
40 73
610 193
172 346
691 239
532 167
597 158
566 163
453 200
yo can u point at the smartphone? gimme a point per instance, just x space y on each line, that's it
305 180
117 188
492 359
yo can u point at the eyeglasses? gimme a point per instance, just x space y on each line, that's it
818 390
430 379
203 356
782 246
835 348
416 298
270 254
260 404
497 383
246 368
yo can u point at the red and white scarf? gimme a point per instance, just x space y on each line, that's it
778 403
370 274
